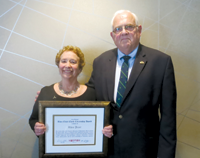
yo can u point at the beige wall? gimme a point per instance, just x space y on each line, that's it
32 32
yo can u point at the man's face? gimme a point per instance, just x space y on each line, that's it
126 40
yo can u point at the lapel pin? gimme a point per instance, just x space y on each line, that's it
142 62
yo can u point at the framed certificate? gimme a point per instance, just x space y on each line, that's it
74 128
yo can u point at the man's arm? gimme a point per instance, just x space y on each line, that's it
91 80
167 137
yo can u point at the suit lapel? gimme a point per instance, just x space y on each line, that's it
110 73
139 64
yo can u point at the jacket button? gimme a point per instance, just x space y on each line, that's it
120 116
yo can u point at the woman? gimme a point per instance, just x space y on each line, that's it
70 61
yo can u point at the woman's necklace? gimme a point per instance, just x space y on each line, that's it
68 93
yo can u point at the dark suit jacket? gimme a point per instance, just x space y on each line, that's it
138 131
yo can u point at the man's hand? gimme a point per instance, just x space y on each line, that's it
38 92
39 128
108 131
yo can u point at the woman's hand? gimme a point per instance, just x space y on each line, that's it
39 128
108 131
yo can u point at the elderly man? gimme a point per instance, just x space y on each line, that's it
138 81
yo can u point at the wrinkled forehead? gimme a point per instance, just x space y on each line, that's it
123 19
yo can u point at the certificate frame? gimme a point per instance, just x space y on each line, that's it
98 111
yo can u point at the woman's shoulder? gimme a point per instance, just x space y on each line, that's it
47 87
89 94
47 90
91 90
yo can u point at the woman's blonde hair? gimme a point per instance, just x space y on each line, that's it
74 49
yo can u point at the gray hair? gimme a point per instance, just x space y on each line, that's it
121 11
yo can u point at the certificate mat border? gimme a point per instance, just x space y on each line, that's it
73 104
75 144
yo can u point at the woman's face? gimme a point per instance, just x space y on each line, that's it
69 65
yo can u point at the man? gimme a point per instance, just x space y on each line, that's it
137 130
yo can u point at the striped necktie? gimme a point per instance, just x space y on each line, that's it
122 80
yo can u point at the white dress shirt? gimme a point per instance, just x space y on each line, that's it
120 61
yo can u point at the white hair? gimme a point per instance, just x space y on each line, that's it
121 11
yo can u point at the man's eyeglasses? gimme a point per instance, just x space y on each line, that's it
129 28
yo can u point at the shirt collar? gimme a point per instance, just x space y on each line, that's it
132 54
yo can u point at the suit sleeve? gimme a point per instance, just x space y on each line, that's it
167 135
91 80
